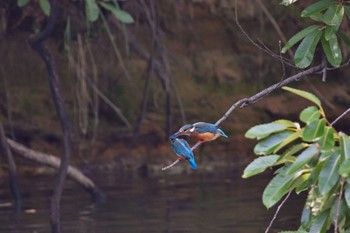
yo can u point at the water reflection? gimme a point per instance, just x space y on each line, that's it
216 202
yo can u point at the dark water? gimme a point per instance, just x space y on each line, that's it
215 202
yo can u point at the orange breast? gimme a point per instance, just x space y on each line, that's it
206 136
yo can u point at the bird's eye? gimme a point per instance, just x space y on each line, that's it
191 130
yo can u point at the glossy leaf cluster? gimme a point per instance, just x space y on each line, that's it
327 16
92 9
309 156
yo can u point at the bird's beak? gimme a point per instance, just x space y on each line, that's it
175 135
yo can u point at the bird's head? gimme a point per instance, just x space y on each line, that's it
184 130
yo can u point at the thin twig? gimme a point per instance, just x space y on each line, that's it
277 211
275 25
230 110
263 47
117 110
341 116
172 164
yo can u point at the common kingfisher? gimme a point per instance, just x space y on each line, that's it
201 130
183 150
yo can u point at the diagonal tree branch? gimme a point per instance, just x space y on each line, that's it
255 98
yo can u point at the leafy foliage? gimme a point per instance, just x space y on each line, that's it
314 158
92 9
327 16
44 5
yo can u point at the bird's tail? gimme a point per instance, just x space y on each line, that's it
222 133
193 163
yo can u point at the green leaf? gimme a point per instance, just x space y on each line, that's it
344 38
305 217
287 123
22 3
121 15
267 145
301 183
344 168
310 114
320 223
328 32
305 52
329 174
347 194
303 159
344 142
332 50
347 11
288 140
264 130
327 140
91 10
315 173
317 7
278 187
305 94
314 130
45 6
301 230
288 2
318 16
298 37
334 16
259 165
288 154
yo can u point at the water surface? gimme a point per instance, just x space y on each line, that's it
215 202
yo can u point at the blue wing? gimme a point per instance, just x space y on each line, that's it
222 133
183 149
203 127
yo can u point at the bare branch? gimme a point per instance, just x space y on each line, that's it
277 211
341 116
261 47
172 164
54 162
255 98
